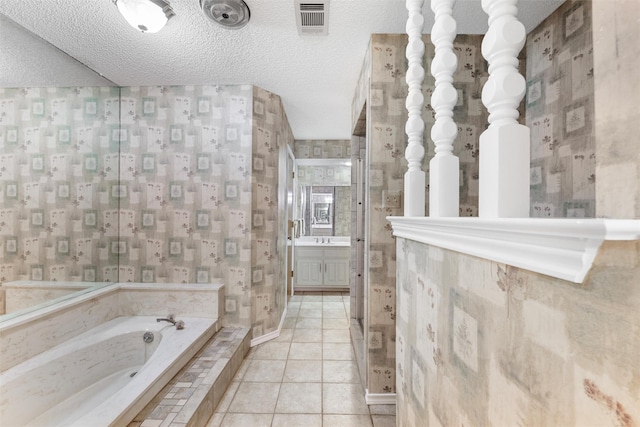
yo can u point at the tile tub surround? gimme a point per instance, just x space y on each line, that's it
28 335
109 373
191 396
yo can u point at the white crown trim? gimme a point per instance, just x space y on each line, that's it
561 248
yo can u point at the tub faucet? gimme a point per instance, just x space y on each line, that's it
179 324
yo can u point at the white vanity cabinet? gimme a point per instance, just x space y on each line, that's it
322 267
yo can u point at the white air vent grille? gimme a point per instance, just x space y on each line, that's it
312 17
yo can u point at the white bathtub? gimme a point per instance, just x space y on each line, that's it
89 380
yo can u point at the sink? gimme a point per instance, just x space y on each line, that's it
312 242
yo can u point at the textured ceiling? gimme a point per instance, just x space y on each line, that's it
314 75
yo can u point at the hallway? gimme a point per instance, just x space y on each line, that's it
306 377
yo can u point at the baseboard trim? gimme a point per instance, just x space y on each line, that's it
379 398
271 335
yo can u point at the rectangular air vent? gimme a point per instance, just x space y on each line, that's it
312 17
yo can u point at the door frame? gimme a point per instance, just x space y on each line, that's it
291 194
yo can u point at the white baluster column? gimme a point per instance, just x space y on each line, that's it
414 178
504 146
444 175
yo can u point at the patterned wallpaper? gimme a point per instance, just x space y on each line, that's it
186 183
186 178
617 116
190 196
559 111
322 149
386 140
58 184
324 175
483 343
342 217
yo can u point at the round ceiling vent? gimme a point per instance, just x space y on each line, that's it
231 14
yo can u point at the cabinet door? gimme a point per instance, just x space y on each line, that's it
309 268
336 270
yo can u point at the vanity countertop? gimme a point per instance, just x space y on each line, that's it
326 244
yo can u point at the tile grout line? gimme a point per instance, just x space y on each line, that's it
323 342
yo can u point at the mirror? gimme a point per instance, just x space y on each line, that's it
57 119
321 213
326 210
324 197
321 207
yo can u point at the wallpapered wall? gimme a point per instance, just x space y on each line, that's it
343 211
322 149
386 141
193 189
186 183
559 111
617 116
498 345
483 343
324 175
58 184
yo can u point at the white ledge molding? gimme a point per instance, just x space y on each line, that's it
561 248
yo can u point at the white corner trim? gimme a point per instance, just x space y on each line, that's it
271 335
379 398
561 248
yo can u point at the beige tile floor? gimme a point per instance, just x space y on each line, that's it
307 377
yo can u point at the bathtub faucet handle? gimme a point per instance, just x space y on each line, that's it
171 318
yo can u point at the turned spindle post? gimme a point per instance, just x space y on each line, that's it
414 178
444 175
504 146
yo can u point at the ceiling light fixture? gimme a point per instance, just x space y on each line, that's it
147 16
